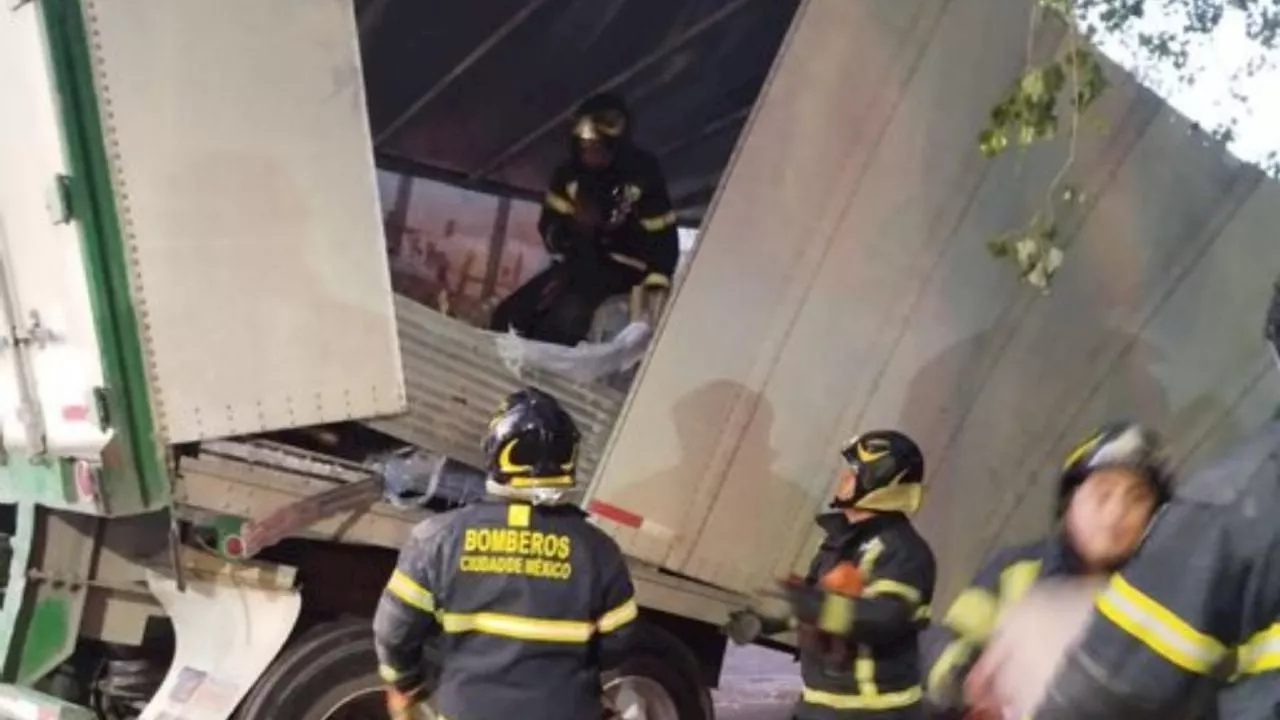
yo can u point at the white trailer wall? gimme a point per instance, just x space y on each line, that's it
841 283
239 149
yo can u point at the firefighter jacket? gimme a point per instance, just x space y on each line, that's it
633 191
874 666
952 646
1199 603
527 605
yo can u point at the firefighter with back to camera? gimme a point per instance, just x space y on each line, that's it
1110 487
528 601
865 599
607 223
1200 601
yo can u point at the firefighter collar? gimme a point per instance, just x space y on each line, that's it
840 532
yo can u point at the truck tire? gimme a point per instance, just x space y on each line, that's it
328 671
332 667
666 676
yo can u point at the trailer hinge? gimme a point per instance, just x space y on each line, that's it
58 199
102 405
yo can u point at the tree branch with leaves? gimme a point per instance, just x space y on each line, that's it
1052 98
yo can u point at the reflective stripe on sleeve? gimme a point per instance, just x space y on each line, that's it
883 701
1261 653
836 614
559 203
410 592
952 657
973 614
1016 580
893 587
1155 626
619 616
658 222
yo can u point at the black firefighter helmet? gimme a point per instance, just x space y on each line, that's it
532 443
888 473
1128 445
602 118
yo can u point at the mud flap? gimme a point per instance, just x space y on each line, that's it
230 621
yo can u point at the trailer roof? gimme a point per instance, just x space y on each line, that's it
476 93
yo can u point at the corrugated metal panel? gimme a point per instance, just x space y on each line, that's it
455 378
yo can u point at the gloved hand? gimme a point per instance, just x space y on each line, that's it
806 602
405 706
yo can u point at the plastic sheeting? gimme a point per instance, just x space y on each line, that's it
414 478
585 363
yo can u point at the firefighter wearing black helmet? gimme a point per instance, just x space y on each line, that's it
1198 605
1109 488
606 219
865 599
526 601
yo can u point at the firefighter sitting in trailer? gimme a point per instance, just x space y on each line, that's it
1109 489
607 223
1198 604
860 609
529 601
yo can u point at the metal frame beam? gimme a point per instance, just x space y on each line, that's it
710 129
508 153
463 65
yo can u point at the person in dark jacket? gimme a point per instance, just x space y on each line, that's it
1109 489
1199 603
860 608
607 223
528 601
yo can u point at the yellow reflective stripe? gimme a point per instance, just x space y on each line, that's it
1016 580
656 280
883 701
388 673
410 592
628 261
836 614
870 556
949 661
1155 626
864 671
518 627
893 587
619 616
658 222
528 482
973 614
1261 652
559 203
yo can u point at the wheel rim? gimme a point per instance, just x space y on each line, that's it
641 698
366 704
635 697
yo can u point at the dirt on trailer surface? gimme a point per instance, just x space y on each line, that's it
757 684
